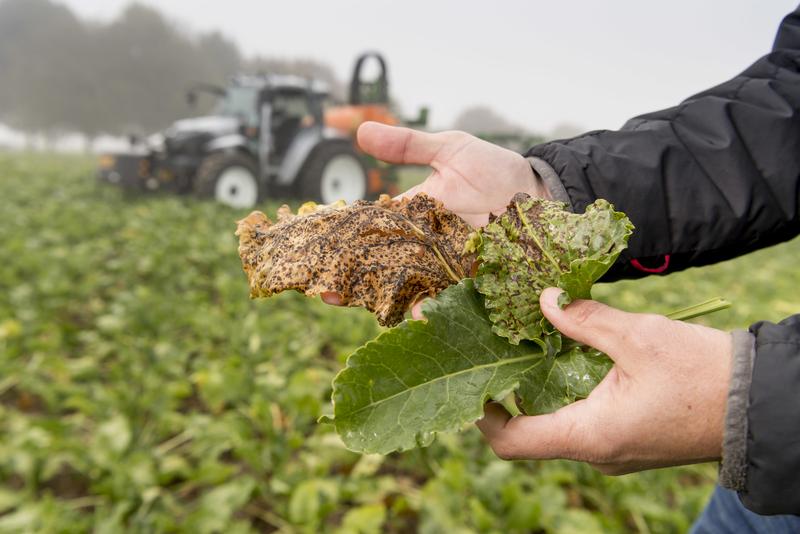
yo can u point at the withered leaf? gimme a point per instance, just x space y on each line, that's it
381 255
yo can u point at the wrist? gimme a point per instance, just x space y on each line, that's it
538 189
548 181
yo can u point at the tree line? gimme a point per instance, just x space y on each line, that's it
59 73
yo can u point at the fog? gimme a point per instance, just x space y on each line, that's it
553 68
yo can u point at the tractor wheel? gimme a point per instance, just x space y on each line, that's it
229 178
333 172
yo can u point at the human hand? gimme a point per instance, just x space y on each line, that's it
663 402
472 177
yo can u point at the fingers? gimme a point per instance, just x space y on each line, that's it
394 144
537 437
331 297
416 310
590 322
494 420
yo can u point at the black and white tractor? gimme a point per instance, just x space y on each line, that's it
266 137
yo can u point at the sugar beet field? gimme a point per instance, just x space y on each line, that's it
141 390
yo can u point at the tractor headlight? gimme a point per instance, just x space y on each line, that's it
106 162
156 142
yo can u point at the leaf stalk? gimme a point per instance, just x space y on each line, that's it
703 308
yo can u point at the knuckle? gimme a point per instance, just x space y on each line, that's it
574 442
456 135
507 445
583 311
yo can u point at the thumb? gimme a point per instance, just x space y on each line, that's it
394 144
561 434
588 321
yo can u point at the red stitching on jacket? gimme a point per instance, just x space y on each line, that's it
655 270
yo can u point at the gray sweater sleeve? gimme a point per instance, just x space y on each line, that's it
550 180
733 469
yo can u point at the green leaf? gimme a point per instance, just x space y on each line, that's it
218 505
312 500
562 379
571 372
424 377
366 519
537 244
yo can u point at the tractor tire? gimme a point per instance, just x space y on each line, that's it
230 178
333 171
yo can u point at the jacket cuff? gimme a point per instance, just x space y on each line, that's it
773 435
733 469
550 180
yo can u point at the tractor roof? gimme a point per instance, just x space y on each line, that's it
281 81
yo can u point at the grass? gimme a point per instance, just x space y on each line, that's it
142 391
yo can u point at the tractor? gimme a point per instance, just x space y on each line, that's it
269 135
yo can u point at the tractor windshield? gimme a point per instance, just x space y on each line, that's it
240 102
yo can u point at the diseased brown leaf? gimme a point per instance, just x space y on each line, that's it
381 255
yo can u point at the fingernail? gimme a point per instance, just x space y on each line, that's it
552 296
331 297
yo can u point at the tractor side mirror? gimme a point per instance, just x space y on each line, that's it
191 99
422 118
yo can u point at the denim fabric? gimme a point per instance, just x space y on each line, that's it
725 514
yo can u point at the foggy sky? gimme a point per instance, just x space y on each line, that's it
594 64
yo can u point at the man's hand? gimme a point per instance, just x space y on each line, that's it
663 402
470 176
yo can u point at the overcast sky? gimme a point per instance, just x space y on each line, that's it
590 63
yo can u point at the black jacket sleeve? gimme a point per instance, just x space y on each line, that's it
772 484
712 178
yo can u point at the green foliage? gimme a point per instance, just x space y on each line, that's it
562 379
424 377
142 391
538 244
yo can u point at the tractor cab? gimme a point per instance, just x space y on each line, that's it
269 111
290 110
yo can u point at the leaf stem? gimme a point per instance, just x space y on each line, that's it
509 402
703 308
533 235
421 235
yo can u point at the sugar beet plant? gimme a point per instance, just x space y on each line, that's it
482 338
141 391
